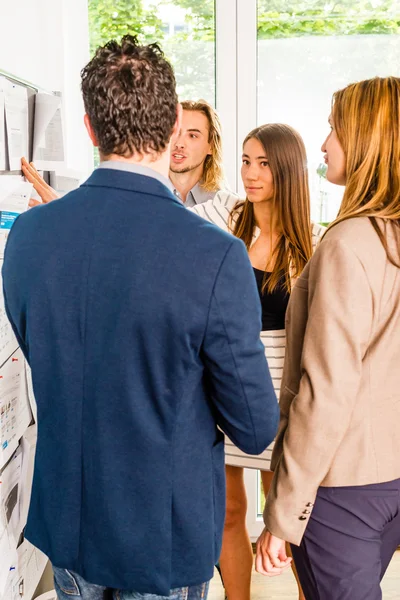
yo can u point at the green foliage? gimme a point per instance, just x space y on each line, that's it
109 19
276 19
191 51
294 18
200 15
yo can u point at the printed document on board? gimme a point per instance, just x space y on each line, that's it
31 395
48 596
14 200
27 566
17 124
8 341
10 494
12 587
3 165
31 564
15 412
8 558
28 445
48 139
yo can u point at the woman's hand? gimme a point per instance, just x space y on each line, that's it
271 557
46 192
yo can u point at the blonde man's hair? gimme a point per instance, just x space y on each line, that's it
366 118
213 176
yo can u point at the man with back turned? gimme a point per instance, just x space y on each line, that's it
141 324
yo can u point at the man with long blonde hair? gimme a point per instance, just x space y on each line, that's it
196 156
196 170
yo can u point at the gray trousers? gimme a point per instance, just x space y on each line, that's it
350 539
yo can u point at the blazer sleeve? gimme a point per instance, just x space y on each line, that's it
237 373
336 337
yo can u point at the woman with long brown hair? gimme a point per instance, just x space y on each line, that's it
336 489
274 223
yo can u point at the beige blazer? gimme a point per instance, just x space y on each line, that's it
340 394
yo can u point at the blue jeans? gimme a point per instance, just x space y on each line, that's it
69 586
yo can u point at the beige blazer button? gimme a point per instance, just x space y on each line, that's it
302 518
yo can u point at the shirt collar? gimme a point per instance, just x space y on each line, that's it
197 195
138 169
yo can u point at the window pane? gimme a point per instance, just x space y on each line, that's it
185 29
307 50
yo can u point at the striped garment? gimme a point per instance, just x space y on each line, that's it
218 211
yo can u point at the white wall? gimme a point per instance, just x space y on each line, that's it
46 42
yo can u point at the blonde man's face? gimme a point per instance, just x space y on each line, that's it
191 147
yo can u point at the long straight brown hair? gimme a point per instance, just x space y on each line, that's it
286 154
366 118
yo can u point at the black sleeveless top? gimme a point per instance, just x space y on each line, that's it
273 305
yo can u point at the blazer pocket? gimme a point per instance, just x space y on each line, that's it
218 464
66 582
290 392
285 400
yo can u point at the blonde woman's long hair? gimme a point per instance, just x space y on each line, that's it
213 175
286 154
366 118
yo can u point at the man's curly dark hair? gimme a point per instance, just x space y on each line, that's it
129 93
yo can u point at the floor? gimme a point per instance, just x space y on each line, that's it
278 588
284 587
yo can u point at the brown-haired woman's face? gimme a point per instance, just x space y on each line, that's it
256 173
334 157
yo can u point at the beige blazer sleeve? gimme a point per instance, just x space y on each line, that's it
328 326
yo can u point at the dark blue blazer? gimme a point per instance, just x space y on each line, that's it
141 324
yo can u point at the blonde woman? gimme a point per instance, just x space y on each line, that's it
274 223
336 489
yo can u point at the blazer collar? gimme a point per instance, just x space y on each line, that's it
127 180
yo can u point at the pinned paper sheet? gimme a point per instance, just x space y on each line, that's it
8 560
17 124
31 395
10 496
14 200
8 341
48 596
28 445
48 140
31 564
15 412
9 513
12 587
27 567
3 164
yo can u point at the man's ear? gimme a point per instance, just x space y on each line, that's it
90 131
178 123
